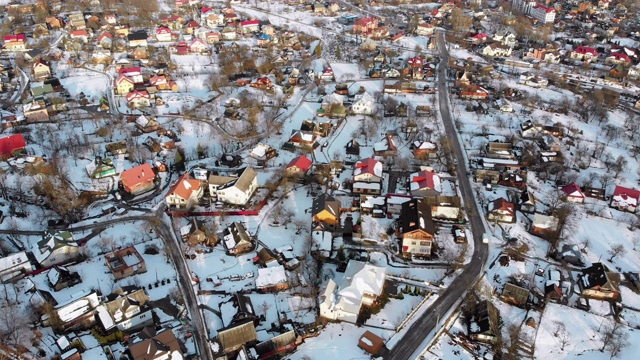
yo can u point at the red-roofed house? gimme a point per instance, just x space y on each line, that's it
123 85
133 73
424 29
479 38
197 46
191 26
573 193
367 177
185 192
138 180
474 92
625 199
249 26
618 58
213 37
105 40
584 53
82 35
298 166
501 210
365 25
163 33
425 183
16 42
11 144
136 99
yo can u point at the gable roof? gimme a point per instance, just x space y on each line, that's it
572 190
139 174
360 278
415 215
370 342
164 342
627 195
11 143
425 180
185 187
236 335
325 202
245 179
301 162
368 166
502 204
599 275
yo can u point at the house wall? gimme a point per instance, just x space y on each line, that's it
140 188
61 255
136 322
233 195
495 216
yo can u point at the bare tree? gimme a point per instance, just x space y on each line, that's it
615 250
614 339
561 334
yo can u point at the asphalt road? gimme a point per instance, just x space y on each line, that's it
430 319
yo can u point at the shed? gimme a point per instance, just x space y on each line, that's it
370 343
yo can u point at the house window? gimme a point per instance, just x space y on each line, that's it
414 243
424 243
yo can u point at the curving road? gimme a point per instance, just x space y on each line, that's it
430 319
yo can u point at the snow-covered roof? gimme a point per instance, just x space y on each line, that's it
271 276
368 166
105 317
14 261
360 278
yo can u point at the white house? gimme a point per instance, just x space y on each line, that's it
507 38
56 249
364 104
186 191
425 183
496 49
235 191
361 285
77 312
367 177
127 312
544 14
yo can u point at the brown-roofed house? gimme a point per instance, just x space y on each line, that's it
161 346
370 342
125 262
233 337
138 180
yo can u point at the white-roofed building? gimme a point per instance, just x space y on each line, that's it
272 279
364 104
56 249
14 266
77 313
362 285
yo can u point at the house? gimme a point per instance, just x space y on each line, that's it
325 213
262 83
300 138
424 150
54 22
361 284
138 38
160 346
14 267
272 279
425 183
363 104
617 57
197 46
235 191
365 25
127 309
236 239
277 346
76 21
263 153
101 56
138 98
417 230
11 146
125 262
60 277
506 37
599 282
474 92
298 166
101 168
163 34
31 55
185 192
385 148
235 337
35 111
625 199
424 29
544 226
484 325
138 180
56 248
496 49
501 210
515 294
124 85
249 26
77 313
584 53
367 177
80 35
572 193
17 42
41 70
370 343
544 14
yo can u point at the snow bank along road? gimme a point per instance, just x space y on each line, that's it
449 298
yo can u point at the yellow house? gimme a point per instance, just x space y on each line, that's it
124 85
41 71
326 213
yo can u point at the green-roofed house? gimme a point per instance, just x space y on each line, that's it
56 248
101 168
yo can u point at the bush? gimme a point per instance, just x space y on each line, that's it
107 339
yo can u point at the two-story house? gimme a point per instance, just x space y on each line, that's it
325 213
138 180
367 177
185 192
417 231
